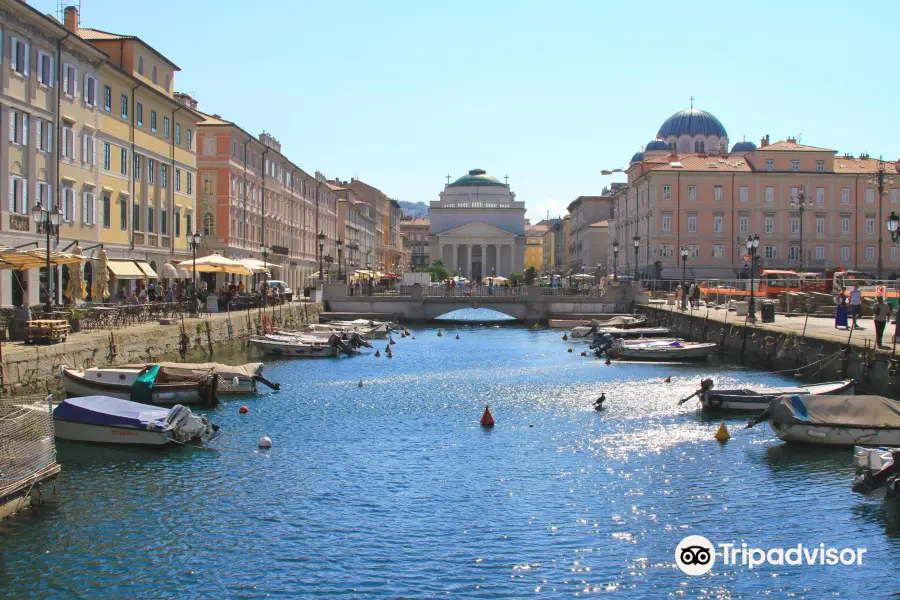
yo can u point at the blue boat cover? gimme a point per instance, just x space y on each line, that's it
113 412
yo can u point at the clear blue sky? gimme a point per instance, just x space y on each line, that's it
402 93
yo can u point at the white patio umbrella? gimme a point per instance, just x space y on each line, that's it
215 263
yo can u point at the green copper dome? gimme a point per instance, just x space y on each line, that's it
475 177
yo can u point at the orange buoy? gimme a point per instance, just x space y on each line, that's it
243 410
668 379
569 350
487 419
583 353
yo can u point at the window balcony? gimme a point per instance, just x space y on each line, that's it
152 240
138 238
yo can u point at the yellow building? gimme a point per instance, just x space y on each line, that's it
146 157
534 246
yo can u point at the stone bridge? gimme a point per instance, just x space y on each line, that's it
527 304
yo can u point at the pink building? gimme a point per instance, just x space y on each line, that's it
709 200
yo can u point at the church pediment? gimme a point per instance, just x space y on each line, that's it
478 228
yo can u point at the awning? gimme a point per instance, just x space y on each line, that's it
125 269
169 271
148 270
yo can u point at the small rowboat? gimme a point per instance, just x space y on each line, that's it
663 349
757 399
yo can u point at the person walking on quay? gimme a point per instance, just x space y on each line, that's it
881 315
855 304
840 313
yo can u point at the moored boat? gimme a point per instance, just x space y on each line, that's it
757 399
661 349
149 385
635 332
834 420
234 379
107 420
622 322
283 345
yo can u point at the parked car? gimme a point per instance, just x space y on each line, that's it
288 292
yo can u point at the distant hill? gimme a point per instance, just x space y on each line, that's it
414 209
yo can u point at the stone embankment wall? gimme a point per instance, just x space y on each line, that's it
214 337
807 358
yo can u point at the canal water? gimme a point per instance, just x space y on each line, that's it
394 490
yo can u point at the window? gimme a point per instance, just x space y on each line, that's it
895 196
870 196
770 194
151 170
44 135
870 252
794 253
140 114
769 224
795 224
136 216
667 222
137 166
770 252
744 194
177 180
90 90
168 82
150 223
820 166
17 194
795 191
106 211
190 138
106 155
209 145
845 224
123 163
107 98
187 223
14 135
152 121
666 251
698 147
190 184
744 224
68 149
88 155
820 252
140 65
820 195
166 127
795 165
870 225
718 251
820 224
208 224
18 54
163 175
692 223
87 208
178 133
163 222
895 253
44 194
718 222
770 165
45 69
154 76
123 214
845 252
692 193
68 205
717 193
124 107
845 195
70 81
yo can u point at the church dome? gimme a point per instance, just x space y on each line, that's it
743 147
658 145
476 177
638 157
691 122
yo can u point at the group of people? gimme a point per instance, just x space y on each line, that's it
848 310
688 293
156 292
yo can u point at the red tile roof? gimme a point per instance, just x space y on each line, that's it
791 146
697 162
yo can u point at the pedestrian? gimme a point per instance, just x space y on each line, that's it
881 314
855 304
840 312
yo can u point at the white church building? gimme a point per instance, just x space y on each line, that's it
478 227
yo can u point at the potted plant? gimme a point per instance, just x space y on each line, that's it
75 319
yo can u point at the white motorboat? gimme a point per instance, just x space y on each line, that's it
282 345
234 379
662 349
152 384
757 399
834 420
107 420
622 322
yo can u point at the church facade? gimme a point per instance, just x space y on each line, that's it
477 227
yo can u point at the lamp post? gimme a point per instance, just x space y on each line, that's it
339 243
752 246
800 203
264 250
47 222
893 225
615 261
878 178
637 246
194 241
321 251
684 257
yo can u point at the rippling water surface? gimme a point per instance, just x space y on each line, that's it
394 490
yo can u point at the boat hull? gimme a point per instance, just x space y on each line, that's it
831 435
731 401
295 350
102 434
164 394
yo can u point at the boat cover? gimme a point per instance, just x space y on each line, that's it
142 388
201 369
113 412
856 411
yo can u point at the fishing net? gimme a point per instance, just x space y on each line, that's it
26 440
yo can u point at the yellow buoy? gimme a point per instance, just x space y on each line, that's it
439 333
722 434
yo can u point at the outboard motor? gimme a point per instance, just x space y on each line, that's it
602 342
178 415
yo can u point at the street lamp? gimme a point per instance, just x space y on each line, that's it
878 178
684 257
893 225
801 203
264 250
321 251
47 222
615 261
194 241
637 246
339 243
752 246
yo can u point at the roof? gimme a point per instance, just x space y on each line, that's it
97 35
214 120
843 164
600 224
536 229
422 221
657 145
692 121
792 146
477 177
638 157
696 162
744 146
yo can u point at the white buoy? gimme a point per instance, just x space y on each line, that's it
235 381
265 442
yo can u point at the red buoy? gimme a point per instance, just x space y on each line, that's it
565 337
487 419
243 410
668 379
569 350
378 353
583 353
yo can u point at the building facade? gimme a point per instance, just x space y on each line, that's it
708 203
534 246
478 227
585 212
357 227
417 231
388 249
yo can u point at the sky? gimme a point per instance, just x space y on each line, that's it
403 93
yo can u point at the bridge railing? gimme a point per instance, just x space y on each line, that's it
578 292
482 291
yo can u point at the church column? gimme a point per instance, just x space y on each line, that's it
440 252
484 268
497 264
468 270
513 260
455 258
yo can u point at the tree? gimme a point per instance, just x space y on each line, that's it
530 275
437 270
517 277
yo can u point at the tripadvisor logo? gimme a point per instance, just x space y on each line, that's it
695 555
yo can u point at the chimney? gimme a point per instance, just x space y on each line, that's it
764 141
71 18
